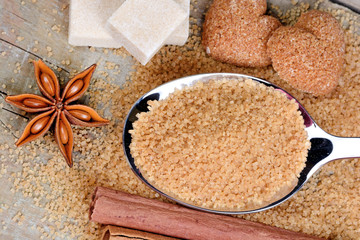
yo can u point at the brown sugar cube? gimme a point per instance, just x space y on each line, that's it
310 55
236 32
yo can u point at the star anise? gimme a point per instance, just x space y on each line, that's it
54 107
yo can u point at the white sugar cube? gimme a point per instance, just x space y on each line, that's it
87 23
143 26
180 35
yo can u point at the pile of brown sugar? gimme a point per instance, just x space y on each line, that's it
328 205
230 144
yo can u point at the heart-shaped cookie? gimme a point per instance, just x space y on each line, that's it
309 55
236 32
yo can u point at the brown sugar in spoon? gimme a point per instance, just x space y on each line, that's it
324 146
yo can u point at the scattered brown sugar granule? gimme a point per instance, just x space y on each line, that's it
310 55
327 206
236 32
225 144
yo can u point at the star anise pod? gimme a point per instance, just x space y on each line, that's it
54 107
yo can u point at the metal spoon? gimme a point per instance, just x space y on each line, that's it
324 146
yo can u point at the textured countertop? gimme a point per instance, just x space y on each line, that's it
33 29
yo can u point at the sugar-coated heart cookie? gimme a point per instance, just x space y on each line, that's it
309 55
236 32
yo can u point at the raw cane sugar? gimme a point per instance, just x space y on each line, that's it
309 55
224 145
236 32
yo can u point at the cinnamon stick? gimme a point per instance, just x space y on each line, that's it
113 207
120 233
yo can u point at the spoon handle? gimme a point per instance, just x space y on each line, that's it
344 148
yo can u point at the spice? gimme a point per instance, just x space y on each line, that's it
119 233
113 207
53 107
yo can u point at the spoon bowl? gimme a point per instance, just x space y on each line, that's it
324 146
